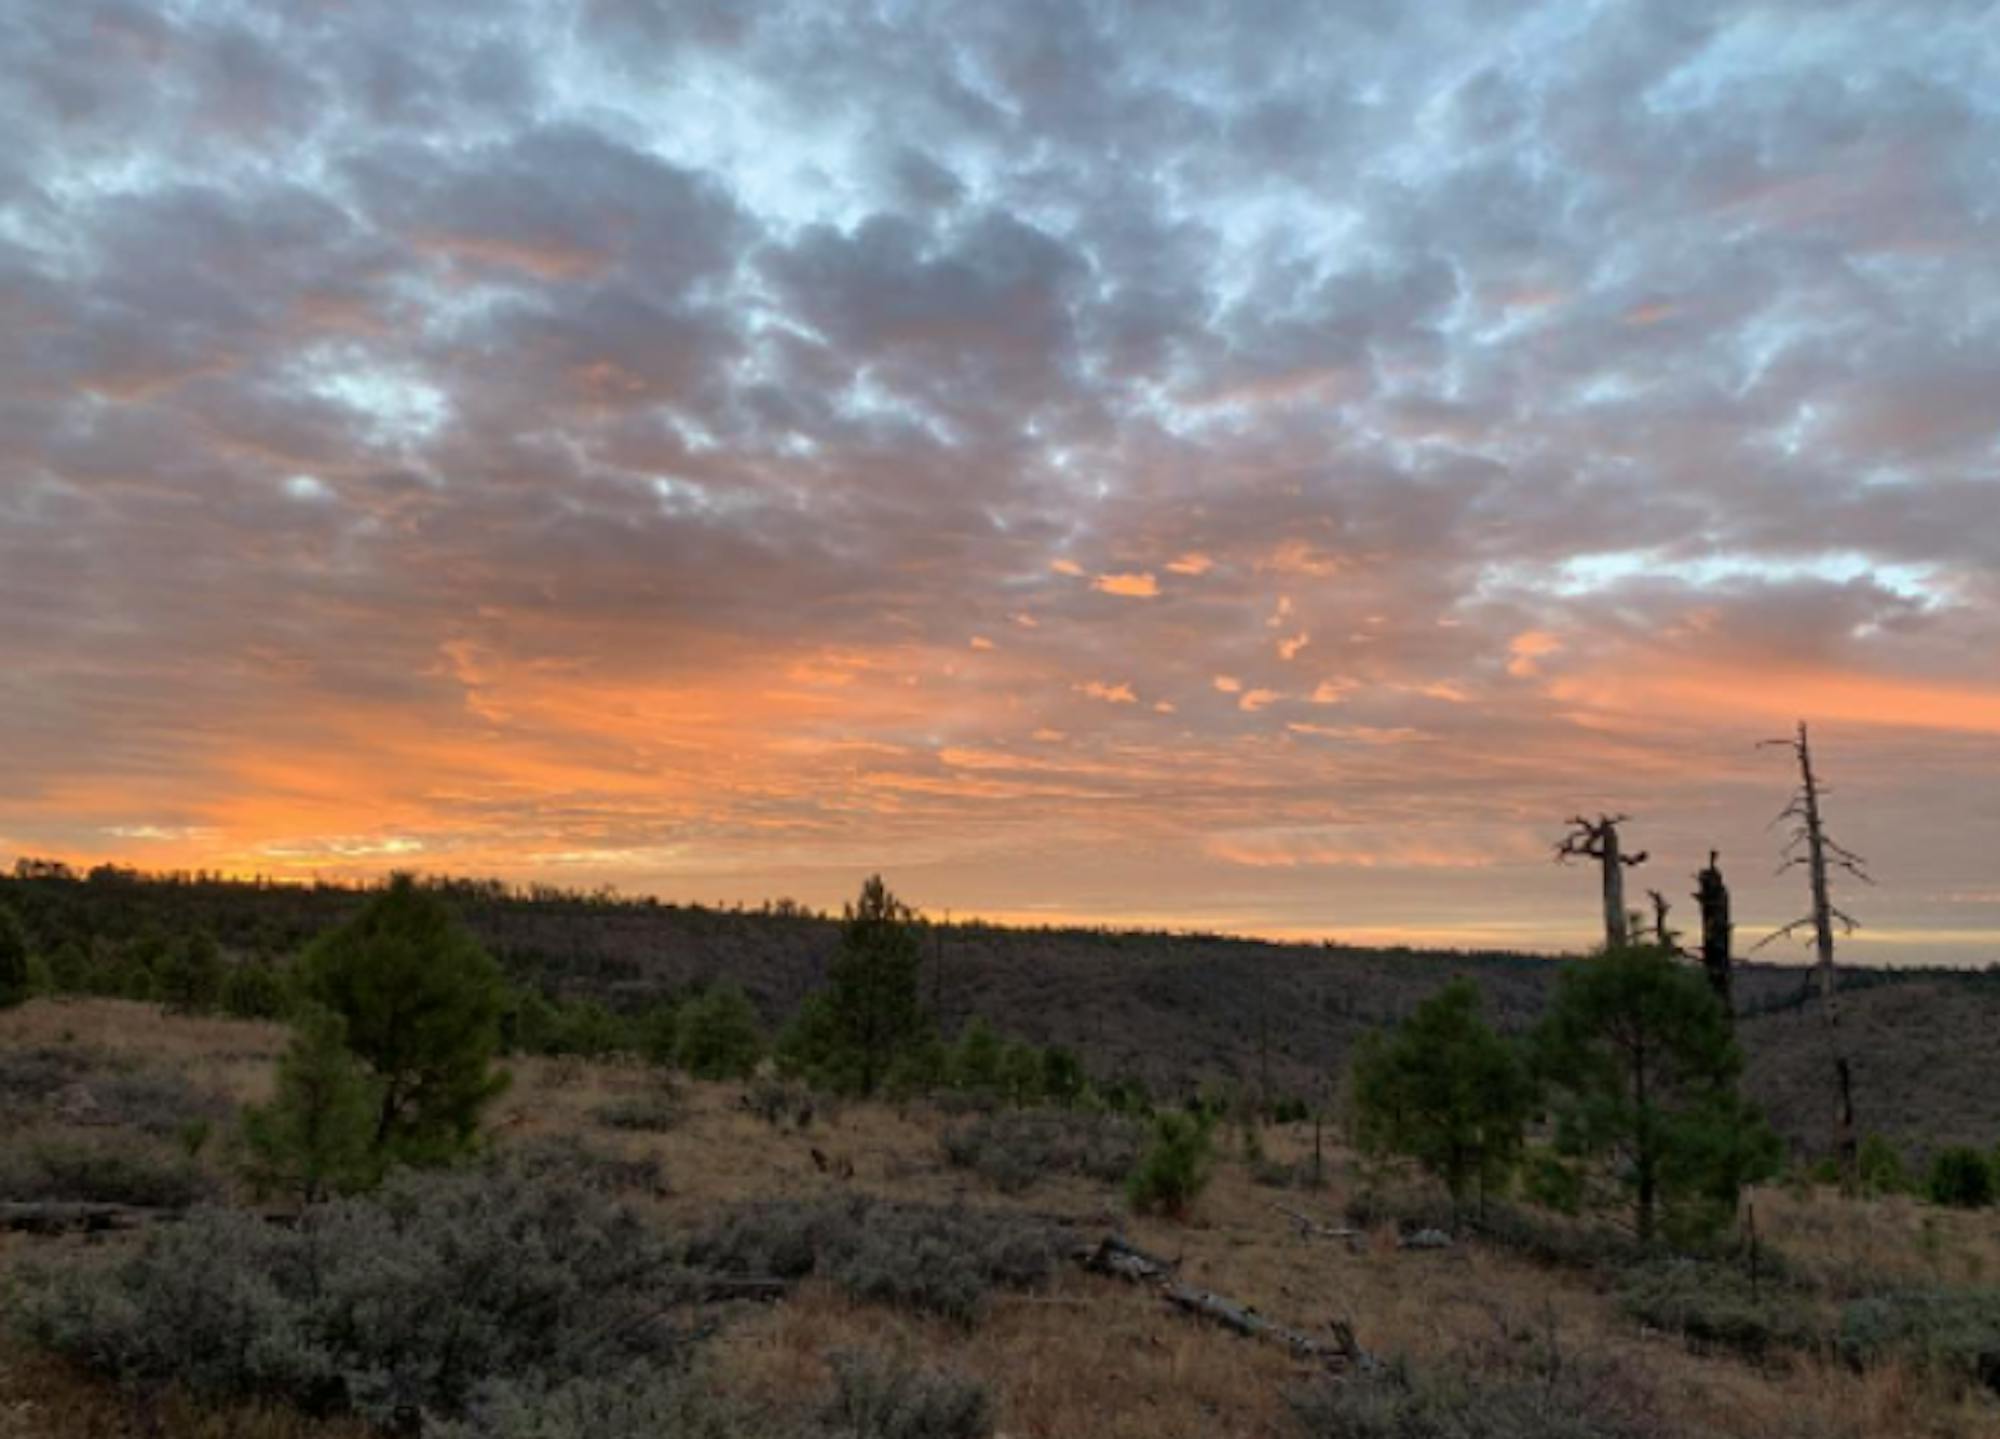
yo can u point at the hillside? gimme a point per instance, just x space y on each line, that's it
1173 1009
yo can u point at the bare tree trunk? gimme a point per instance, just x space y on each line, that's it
1820 852
1598 839
1829 979
1717 932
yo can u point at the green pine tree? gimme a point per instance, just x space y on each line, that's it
975 1059
1446 1091
421 1002
191 975
719 1035
317 1135
1642 1065
872 985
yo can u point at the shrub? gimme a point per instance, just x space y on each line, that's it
976 1058
568 1160
885 1398
654 1112
101 1170
920 1257
1176 1165
190 975
772 1100
719 1036
1527 1391
1880 1167
15 983
254 990
1961 1177
1012 1150
417 1298
421 1001
1715 1307
1952 1332
647 1402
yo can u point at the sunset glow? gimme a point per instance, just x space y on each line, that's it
1087 463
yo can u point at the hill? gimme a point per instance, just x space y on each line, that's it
1173 1009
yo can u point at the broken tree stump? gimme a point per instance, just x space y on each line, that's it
1114 1255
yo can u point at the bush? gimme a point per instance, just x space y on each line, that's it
1012 1150
1952 1332
15 983
648 1402
418 1298
1961 1177
255 990
190 976
1175 1167
567 1160
1880 1167
101 1170
920 1257
1522 1392
1715 1307
880 1398
772 1100
654 1112
718 1035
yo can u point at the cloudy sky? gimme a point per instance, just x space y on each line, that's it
1254 465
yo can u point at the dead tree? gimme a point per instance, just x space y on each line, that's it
1717 933
1664 936
1811 848
1598 840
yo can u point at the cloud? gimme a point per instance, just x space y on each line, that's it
1135 587
600 442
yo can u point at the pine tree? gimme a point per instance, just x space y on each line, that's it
1446 1091
421 1002
719 1035
316 1137
872 984
1642 1067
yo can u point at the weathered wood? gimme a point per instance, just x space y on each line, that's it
1310 1228
58 1216
1598 839
1115 1255
1717 932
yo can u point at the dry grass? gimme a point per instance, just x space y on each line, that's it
1091 1356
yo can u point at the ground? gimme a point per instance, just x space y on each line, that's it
1090 1356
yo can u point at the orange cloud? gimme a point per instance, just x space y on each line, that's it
1138 587
1526 651
1191 563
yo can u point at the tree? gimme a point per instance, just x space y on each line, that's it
1446 1091
316 1136
872 984
16 983
421 1002
1176 1165
1021 1074
254 990
1642 1068
1810 847
1717 932
719 1035
975 1059
1598 839
191 975
1062 1076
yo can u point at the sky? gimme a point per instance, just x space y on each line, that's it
1253 466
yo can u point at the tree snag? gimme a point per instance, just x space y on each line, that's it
1810 847
1717 933
1598 840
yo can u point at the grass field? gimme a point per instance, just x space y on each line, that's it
1089 1355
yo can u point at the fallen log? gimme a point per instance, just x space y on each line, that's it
1114 1255
1310 1228
59 1216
